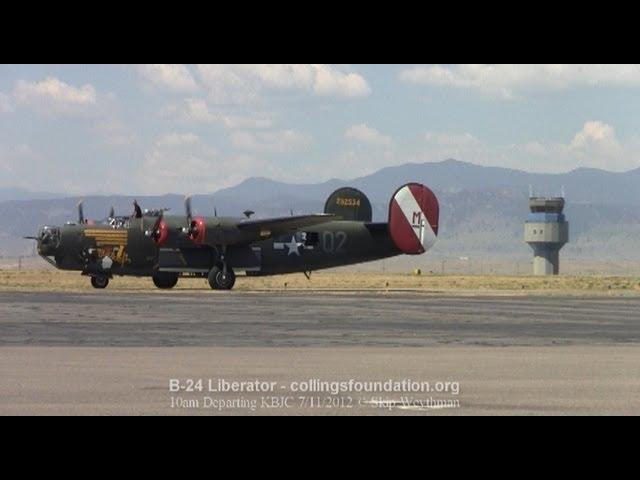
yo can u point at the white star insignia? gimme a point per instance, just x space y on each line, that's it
293 246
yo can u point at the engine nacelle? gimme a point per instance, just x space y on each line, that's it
198 230
161 235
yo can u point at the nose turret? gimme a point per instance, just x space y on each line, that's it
48 240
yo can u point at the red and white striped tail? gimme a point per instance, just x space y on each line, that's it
414 213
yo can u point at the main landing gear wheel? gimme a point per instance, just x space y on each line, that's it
99 282
165 281
219 280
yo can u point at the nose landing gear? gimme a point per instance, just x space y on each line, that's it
221 278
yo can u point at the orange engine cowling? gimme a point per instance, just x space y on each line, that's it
161 235
198 230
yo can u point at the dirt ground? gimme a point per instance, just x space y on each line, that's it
25 280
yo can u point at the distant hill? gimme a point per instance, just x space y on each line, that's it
584 185
483 208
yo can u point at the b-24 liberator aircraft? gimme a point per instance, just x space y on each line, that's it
167 247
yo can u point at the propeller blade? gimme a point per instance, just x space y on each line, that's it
80 212
112 212
154 231
30 238
187 208
158 220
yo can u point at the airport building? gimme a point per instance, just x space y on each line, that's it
546 230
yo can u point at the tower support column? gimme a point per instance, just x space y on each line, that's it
546 262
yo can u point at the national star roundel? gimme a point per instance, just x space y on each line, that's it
414 213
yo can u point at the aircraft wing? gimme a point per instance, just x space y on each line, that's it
284 225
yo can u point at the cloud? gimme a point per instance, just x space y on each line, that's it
507 80
535 149
54 96
5 103
182 168
183 172
177 139
275 141
365 134
182 163
172 77
595 145
233 84
329 81
195 110
597 134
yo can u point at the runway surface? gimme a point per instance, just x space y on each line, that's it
312 320
106 353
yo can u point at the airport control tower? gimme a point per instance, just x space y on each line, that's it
547 231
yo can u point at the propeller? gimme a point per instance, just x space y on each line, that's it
187 209
80 213
112 212
156 232
192 230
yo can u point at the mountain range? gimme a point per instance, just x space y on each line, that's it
482 208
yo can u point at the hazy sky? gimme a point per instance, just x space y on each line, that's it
155 129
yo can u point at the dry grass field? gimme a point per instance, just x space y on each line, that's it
29 280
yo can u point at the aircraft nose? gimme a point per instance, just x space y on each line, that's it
48 240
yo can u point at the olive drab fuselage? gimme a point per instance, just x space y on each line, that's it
165 247
128 249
